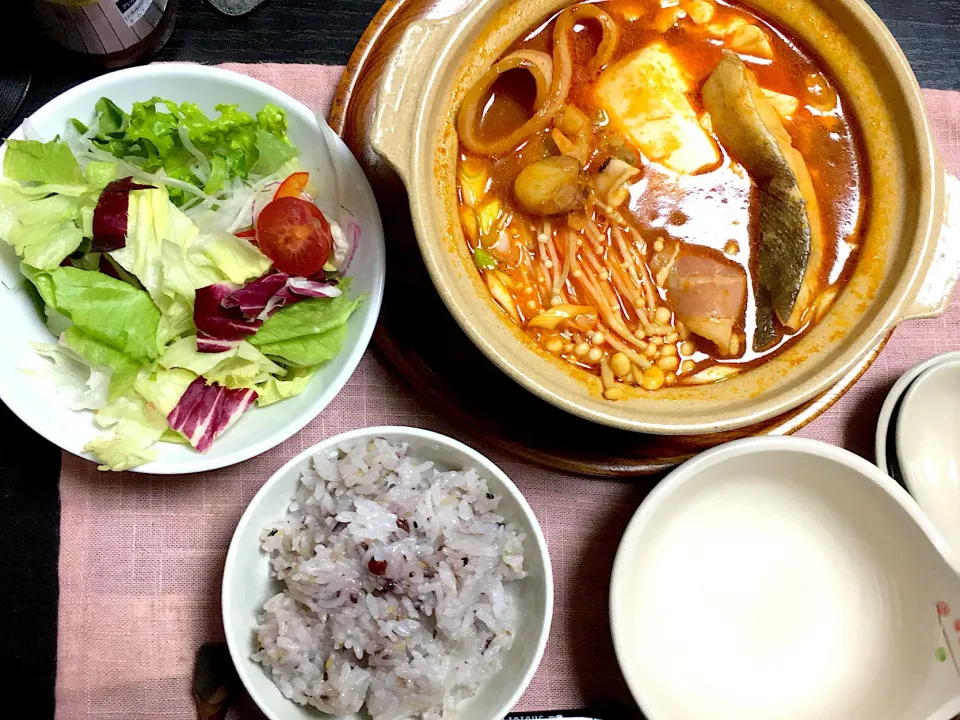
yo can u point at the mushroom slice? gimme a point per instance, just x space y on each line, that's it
661 264
613 181
551 318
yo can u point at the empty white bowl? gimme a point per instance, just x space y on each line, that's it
786 579
247 585
928 446
260 429
885 436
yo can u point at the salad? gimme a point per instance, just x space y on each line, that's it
182 266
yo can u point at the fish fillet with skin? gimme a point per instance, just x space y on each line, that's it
791 252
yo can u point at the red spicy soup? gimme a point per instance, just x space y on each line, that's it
660 195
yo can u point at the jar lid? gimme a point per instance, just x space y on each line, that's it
235 8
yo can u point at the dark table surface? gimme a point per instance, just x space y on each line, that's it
294 31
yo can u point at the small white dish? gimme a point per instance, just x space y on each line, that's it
928 446
246 584
885 437
320 150
786 578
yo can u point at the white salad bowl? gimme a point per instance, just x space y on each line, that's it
321 152
246 584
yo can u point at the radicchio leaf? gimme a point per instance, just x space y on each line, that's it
312 288
261 298
354 229
111 214
207 344
107 268
216 324
225 314
204 411
251 299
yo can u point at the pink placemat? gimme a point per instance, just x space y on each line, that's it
141 557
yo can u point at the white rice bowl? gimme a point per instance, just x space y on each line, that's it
393 586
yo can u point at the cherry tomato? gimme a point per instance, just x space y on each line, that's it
293 186
294 235
248 233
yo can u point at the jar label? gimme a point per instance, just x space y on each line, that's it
133 10
99 27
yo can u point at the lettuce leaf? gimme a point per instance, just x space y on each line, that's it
272 152
42 283
273 120
134 427
154 131
111 119
44 245
79 385
172 436
86 221
245 370
311 349
218 175
124 369
100 174
310 332
56 323
34 161
37 192
241 367
234 144
138 419
236 258
109 310
184 354
163 388
157 237
277 389
42 230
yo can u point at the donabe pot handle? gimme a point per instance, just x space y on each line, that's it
401 91
937 288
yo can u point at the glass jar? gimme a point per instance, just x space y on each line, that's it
108 33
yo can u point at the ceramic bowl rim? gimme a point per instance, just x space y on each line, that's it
908 394
894 397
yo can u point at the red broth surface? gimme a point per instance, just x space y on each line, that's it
711 212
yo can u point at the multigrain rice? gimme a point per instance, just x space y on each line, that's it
392 575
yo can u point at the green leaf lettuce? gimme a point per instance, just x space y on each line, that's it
240 367
34 161
310 332
276 389
108 310
124 369
235 144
